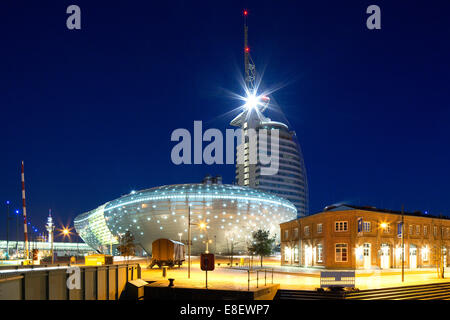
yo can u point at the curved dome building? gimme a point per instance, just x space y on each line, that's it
222 215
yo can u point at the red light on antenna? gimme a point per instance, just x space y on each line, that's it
247 49
245 12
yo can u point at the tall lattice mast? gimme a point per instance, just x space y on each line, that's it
262 101
250 70
24 214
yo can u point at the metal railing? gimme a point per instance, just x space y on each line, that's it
258 271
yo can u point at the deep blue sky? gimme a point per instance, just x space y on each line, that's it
91 111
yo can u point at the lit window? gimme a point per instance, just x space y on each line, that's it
287 253
341 252
340 226
319 228
296 253
319 253
425 253
306 231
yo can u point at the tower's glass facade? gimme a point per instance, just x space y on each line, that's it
290 181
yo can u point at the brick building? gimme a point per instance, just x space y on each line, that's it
348 237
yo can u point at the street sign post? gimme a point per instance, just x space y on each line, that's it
207 264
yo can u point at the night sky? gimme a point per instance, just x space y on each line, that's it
91 111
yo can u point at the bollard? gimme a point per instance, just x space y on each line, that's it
164 271
248 279
265 277
257 278
171 280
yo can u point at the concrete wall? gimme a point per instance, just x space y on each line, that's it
96 283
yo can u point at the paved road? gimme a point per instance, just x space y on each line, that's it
238 279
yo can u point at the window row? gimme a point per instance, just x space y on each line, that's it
306 231
342 226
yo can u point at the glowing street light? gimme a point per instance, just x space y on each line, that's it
65 232
207 242
202 226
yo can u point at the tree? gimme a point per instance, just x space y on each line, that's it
231 244
127 246
262 244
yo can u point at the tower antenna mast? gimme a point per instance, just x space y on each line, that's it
250 69
24 214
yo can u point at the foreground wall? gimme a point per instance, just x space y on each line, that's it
97 283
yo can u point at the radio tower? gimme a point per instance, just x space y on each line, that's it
50 226
24 214
250 69
258 104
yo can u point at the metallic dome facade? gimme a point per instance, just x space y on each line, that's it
228 213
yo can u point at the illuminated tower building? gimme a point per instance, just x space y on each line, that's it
50 227
290 181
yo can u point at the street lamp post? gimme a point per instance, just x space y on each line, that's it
202 226
189 242
17 233
403 244
441 253
207 241
7 230
110 244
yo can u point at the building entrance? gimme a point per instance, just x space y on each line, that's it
308 256
367 256
444 255
385 256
